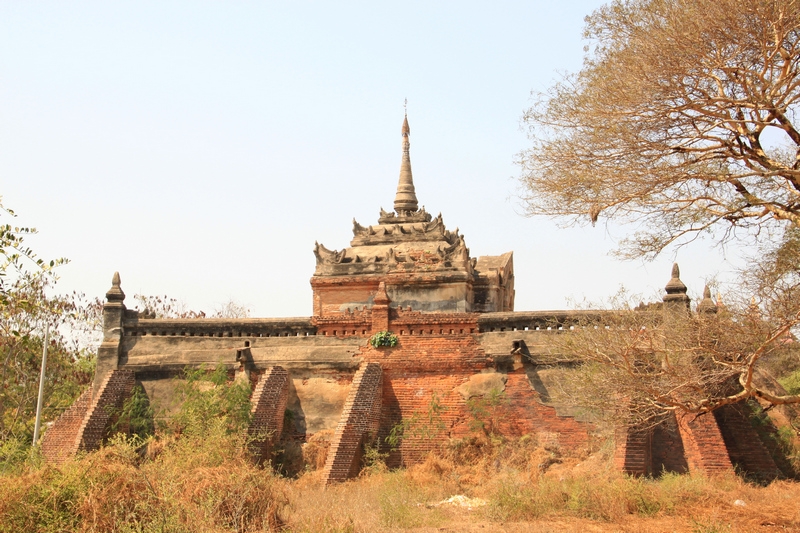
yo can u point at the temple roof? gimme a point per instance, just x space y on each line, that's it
402 238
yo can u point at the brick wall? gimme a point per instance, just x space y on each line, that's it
359 422
436 355
652 450
268 402
667 451
426 364
60 440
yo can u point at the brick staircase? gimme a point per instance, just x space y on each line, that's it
705 448
60 439
632 451
268 407
746 449
359 422
83 426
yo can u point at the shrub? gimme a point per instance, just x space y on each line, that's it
383 339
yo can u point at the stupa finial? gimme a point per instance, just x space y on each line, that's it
405 201
115 293
707 304
675 289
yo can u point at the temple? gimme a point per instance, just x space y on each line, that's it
454 339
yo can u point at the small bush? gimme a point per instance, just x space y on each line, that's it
384 339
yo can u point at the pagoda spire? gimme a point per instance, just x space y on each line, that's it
405 201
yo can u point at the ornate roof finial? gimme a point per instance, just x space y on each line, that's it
405 201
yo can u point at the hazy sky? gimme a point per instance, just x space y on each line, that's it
200 148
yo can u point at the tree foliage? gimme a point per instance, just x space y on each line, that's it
682 120
26 310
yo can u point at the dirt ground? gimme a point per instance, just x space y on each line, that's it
715 521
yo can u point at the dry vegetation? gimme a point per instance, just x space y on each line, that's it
206 484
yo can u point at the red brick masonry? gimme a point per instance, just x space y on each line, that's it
268 407
85 425
358 424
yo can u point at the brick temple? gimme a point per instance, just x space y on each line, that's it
459 340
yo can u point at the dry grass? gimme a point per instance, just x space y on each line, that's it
208 485
192 485
529 487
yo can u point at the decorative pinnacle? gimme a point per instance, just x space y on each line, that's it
405 201
675 289
707 305
675 285
115 293
381 298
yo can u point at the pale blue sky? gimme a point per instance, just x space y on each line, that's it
200 148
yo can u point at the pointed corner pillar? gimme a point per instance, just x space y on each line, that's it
109 350
405 201
380 309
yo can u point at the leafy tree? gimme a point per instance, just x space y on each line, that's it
681 120
26 310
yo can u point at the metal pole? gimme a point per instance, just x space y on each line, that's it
41 388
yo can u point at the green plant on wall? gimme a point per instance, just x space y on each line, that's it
384 339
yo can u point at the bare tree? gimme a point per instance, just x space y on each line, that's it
681 119
639 364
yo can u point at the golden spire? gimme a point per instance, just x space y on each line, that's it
405 201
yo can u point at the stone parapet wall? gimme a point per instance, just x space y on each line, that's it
537 320
268 402
359 423
173 354
220 327
60 440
